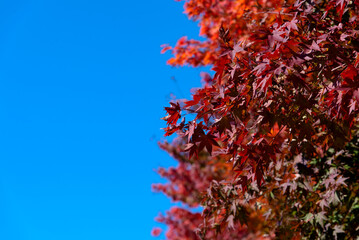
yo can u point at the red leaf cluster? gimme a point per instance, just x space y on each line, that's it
286 84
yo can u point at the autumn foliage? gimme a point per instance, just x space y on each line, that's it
272 151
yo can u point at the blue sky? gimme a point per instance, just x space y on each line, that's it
82 91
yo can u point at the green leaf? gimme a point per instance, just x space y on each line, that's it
308 217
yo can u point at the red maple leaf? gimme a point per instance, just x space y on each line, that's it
349 73
174 113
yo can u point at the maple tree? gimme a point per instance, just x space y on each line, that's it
272 150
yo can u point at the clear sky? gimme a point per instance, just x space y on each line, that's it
82 91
